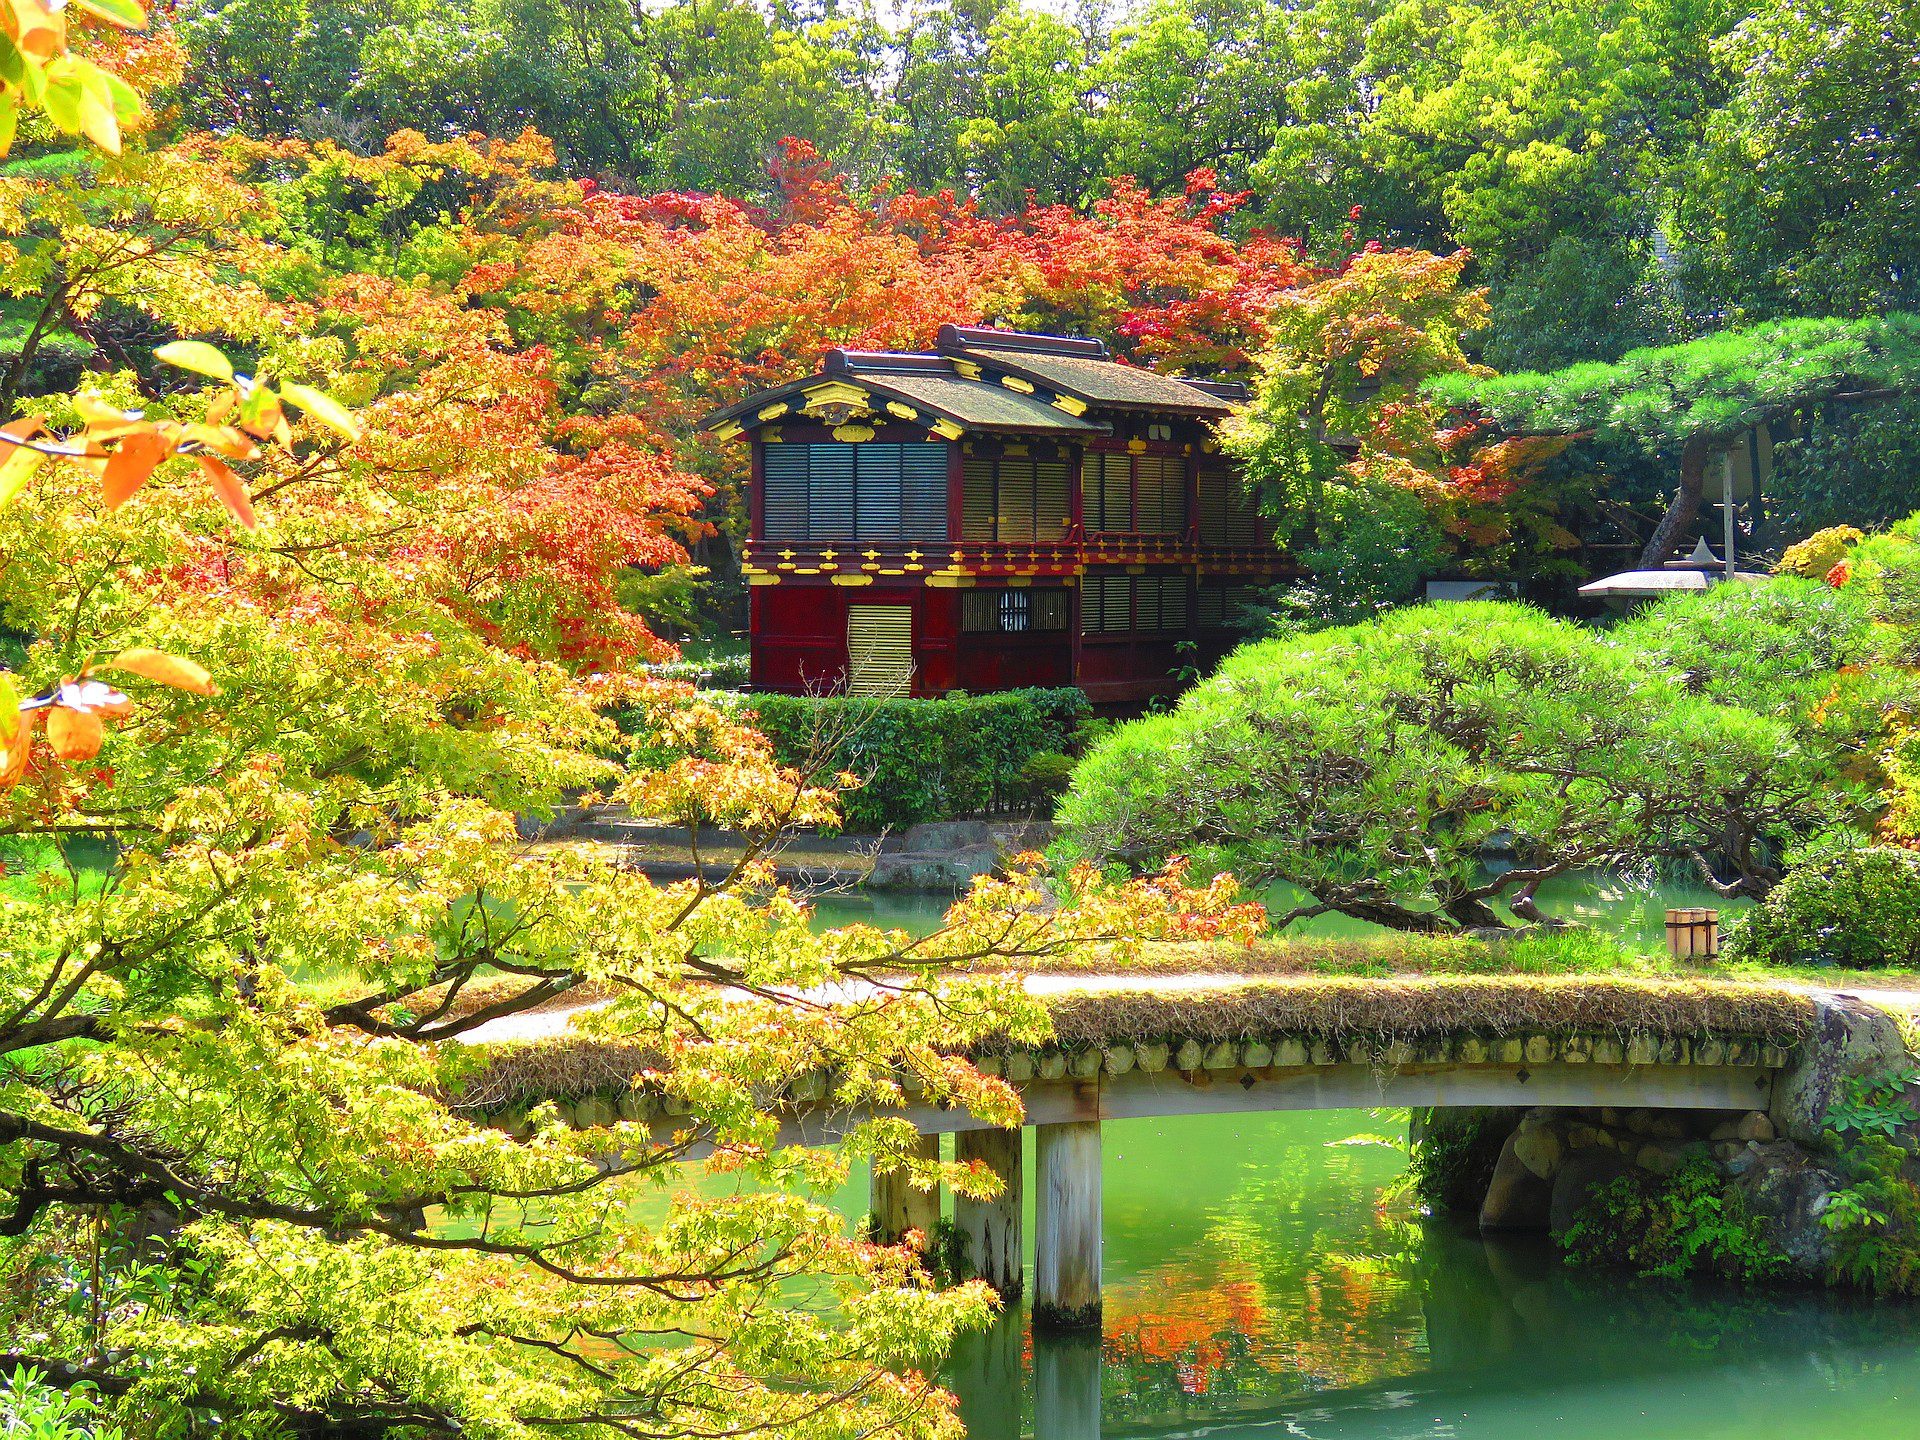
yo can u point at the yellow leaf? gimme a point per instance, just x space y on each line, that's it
95 411
97 121
124 13
197 356
20 463
13 725
38 29
158 665
222 440
321 407
16 470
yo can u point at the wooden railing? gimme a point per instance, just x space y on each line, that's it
1067 556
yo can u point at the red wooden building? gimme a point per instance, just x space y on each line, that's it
1006 510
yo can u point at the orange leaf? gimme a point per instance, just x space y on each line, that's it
13 757
74 734
166 669
130 466
227 486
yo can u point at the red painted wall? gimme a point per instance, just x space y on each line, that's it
1122 670
799 636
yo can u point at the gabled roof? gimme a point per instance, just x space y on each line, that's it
995 382
921 389
1081 368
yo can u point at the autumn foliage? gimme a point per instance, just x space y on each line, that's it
310 589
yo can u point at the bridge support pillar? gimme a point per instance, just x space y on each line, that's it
989 1230
1066 1243
898 1207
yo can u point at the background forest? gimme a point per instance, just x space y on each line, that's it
1624 173
681 202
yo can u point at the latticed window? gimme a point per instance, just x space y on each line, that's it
1228 515
1015 499
1106 491
1112 601
1161 492
846 493
1219 607
879 649
1160 602
1013 612
1112 483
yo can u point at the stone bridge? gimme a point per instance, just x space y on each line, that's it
1264 1045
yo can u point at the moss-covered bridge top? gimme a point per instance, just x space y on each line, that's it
1176 1045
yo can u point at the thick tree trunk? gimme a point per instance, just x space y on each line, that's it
1685 507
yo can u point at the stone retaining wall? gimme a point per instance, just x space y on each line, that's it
1535 1170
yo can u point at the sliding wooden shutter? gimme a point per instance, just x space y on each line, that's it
879 649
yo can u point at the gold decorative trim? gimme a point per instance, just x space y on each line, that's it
1014 382
727 430
774 411
1070 404
837 392
852 582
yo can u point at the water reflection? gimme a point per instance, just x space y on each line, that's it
1630 905
1272 1293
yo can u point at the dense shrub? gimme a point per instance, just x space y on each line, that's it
1850 467
1814 557
1685 1224
31 1409
1772 648
1370 766
936 759
1857 908
1045 776
1454 1155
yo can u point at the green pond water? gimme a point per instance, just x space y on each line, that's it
1263 1282
1267 1279
1633 907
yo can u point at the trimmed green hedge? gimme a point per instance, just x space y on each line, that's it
1859 909
945 759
